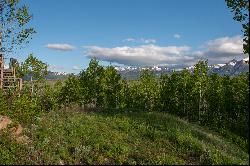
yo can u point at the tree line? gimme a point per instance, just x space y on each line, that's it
211 100
218 102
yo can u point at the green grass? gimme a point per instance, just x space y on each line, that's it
78 137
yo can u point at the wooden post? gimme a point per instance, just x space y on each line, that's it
32 85
20 83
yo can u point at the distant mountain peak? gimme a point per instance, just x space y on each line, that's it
231 68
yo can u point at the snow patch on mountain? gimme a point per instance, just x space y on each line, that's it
230 68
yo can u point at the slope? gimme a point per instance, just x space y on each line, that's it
88 137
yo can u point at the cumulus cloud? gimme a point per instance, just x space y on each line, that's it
61 47
177 36
219 50
141 55
222 49
140 40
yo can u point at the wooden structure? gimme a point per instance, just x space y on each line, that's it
8 76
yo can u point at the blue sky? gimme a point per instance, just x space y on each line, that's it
131 32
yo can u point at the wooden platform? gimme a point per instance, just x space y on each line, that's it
8 76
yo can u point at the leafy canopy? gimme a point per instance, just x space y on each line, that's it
14 31
34 67
240 8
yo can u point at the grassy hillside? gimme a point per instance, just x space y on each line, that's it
80 137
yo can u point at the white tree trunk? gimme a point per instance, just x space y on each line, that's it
32 85
200 104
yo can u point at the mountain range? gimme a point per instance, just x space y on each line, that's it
231 68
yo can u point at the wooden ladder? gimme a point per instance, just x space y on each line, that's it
8 77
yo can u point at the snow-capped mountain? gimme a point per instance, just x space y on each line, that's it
230 68
58 73
135 68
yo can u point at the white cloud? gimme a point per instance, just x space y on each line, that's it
147 41
177 36
140 40
129 40
61 47
141 55
222 49
76 68
55 67
216 51
233 45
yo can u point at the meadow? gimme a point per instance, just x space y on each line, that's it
77 136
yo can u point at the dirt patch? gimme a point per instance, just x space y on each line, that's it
15 132
4 122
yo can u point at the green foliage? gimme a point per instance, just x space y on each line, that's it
11 152
21 106
219 102
48 97
111 83
148 89
69 92
143 94
200 87
14 18
240 8
116 138
33 67
124 95
3 104
90 83
24 109
27 104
